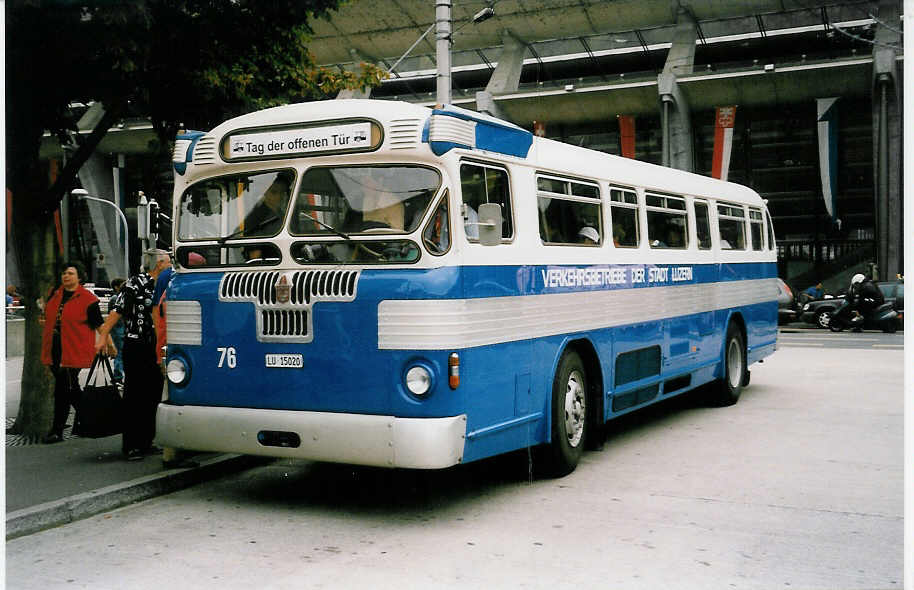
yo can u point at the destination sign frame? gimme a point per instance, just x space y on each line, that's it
303 140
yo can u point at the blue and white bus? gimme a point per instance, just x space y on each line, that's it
379 283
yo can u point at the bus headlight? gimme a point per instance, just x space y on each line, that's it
176 370
418 380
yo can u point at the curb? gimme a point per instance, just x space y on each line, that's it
66 510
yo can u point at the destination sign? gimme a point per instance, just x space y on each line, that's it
296 142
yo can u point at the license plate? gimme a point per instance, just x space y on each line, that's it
284 361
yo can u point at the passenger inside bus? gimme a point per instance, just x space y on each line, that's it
625 227
588 235
266 217
381 208
470 222
618 234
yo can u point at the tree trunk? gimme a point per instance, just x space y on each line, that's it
37 251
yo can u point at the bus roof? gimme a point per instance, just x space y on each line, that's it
549 154
447 127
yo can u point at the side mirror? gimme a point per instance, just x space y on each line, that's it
490 222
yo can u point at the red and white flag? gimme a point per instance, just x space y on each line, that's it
724 119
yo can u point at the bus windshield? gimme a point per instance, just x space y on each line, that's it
250 205
363 199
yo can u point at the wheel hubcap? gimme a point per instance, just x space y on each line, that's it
575 405
824 319
734 363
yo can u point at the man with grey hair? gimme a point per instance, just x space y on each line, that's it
142 377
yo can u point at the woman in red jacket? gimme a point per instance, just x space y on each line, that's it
72 316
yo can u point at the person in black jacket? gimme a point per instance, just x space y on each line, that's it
864 295
862 298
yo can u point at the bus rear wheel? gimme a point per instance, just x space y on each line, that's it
727 390
569 416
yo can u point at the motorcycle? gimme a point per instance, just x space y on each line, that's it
883 318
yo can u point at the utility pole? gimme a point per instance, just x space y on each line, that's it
443 50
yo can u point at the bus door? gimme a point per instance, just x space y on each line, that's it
506 365
705 273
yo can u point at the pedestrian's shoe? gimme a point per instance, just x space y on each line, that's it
51 438
134 455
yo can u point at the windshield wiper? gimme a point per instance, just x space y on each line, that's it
242 230
324 225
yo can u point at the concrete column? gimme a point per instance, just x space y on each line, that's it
887 142
506 76
96 177
675 117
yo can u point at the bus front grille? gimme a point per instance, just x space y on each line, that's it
283 322
306 286
283 299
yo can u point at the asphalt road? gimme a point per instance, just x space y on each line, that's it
800 485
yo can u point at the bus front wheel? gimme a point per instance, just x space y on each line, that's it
726 391
569 416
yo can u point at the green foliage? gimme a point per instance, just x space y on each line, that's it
195 62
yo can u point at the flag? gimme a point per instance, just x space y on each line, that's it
724 119
827 117
627 135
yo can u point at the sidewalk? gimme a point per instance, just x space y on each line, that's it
50 485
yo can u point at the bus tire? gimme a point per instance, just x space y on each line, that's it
569 416
726 391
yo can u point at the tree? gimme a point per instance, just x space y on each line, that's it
195 62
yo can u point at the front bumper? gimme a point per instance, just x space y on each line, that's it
358 439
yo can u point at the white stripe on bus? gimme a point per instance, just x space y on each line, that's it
437 324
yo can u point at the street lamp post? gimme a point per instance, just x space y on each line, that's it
82 193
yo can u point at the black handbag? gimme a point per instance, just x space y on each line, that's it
100 409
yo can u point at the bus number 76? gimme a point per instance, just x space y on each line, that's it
227 356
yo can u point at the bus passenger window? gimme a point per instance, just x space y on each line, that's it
732 227
484 184
703 225
624 212
666 221
569 212
755 228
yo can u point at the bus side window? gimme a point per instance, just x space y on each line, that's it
731 223
771 242
484 184
756 227
703 225
624 213
569 212
666 221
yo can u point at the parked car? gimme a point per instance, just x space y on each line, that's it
819 312
787 304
